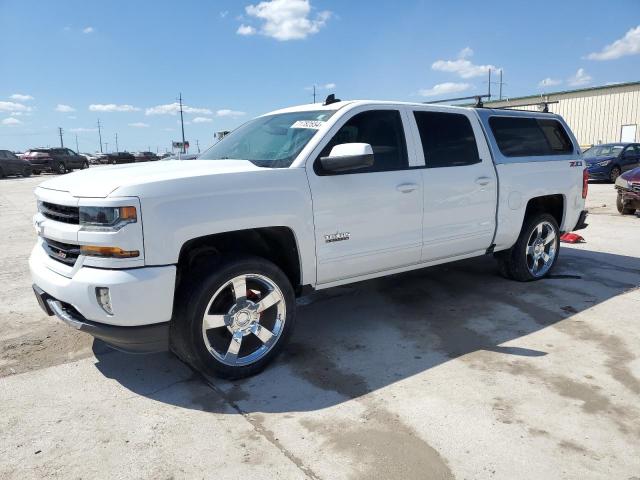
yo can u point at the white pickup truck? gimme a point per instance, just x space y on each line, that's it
207 256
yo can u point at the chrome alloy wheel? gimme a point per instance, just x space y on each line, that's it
541 249
244 319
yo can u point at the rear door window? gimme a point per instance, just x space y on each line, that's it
447 139
530 137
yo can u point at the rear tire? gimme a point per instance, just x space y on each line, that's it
85 165
622 209
26 172
61 168
227 334
534 253
35 172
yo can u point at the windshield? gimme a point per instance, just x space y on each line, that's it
603 151
271 141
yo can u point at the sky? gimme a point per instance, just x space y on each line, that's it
68 63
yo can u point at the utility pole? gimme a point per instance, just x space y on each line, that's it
198 145
61 142
489 83
314 94
117 143
500 84
77 148
182 123
100 135
106 147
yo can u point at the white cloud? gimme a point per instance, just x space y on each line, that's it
139 125
224 13
174 108
462 66
61 107
14 107
627 45
284 19
11 121
229 113
112 107
580 79
21 97
82 130
446 88
245 30
202 120
549 82
87 30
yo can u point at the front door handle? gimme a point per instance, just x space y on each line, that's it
483 181
407 187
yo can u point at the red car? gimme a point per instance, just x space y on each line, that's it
628 187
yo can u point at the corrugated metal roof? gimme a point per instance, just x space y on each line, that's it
563 92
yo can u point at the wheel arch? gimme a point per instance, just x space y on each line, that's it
553 204
278 244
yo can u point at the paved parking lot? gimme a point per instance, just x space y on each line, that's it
448 372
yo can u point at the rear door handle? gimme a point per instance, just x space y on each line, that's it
483 181
407 187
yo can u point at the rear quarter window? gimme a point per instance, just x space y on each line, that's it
530 137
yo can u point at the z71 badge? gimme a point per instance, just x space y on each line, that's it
576 163
337 237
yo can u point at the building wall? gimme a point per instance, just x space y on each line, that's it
595 116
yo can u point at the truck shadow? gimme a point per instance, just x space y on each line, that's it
353 340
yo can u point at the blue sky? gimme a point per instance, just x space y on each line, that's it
126 61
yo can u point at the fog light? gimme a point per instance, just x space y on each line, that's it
104 299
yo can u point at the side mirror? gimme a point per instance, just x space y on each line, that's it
348 156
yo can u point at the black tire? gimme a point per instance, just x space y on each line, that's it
35 172
61 168
26 172
85 165
513 263
622 209
193 297
614 174
113 162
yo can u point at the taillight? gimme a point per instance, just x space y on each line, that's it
585 183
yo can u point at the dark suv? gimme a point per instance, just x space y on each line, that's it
119 157
55 160
10 164
146 157
608 161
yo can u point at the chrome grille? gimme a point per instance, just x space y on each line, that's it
62 252
60 213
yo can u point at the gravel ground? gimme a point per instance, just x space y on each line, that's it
448 372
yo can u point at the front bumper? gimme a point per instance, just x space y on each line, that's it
599 173
142 300
140 339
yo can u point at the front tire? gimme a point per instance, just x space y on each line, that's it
615 173
26 172
622 209
85 165
233 317
535 252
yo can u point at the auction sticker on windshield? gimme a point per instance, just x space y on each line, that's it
314 124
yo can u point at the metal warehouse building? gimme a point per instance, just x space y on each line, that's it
604 114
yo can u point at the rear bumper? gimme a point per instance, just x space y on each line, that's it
140 339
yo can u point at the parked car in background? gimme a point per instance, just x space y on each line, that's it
628 187
55 160
115 158
181 156
11 164
145 157
608 161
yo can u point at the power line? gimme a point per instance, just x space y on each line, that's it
100 135
61 142
182 123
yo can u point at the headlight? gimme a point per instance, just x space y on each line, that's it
604 163
106 219
622 183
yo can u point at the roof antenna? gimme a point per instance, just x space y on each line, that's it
331 98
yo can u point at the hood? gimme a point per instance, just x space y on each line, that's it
99 182
592 161
632 175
